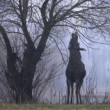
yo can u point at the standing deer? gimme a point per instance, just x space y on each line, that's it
75 71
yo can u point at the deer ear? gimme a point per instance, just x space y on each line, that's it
72 35
76 36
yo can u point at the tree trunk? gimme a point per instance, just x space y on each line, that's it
24 94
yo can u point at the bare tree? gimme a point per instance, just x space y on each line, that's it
34 22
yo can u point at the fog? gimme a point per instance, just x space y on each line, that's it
97 62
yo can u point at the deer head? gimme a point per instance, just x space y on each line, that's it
74 43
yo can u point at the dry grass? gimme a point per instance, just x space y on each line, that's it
53 107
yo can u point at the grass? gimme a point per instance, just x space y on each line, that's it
53 107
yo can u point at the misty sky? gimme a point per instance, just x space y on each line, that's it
97 62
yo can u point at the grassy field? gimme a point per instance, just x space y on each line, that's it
53 107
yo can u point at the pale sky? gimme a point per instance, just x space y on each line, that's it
97 59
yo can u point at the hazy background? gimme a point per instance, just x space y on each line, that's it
97 63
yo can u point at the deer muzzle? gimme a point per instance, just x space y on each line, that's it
81 49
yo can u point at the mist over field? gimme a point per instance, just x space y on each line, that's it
97 63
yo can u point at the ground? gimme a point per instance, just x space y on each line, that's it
53 107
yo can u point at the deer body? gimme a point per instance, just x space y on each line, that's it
75 71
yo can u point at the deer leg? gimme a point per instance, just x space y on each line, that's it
72 101
80 92
77 91
77 101
68 90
